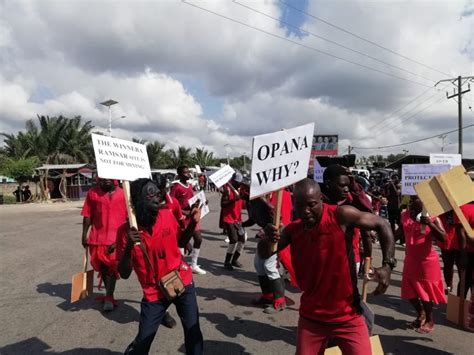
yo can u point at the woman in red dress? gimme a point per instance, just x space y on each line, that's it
422 283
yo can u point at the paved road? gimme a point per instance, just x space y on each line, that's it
40 250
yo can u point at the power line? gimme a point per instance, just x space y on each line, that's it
416 141
410 117
304 45
401 108
361 38
331 41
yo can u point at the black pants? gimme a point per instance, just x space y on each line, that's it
152 313
233 234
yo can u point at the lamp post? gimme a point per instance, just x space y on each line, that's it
244 155
109 103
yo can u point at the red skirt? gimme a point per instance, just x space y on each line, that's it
100 258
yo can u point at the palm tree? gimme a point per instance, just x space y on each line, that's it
157 155
180 157
203 158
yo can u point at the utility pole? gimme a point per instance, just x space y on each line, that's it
459 94
442 137
349 149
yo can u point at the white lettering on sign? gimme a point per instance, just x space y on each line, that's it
280 159
412 174
120 159
318 171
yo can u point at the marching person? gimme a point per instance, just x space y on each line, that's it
450 253
323 260
104 211
422 283
183 191
231 212
153 252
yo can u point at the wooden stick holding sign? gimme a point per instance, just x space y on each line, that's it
121 160
277 215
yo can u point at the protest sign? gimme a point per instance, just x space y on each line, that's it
446 159
120 159
318 171
280 159
204 205
412 174
222 176
198 169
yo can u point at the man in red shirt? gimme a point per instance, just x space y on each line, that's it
183 191
330 304
153 252
105 211
231 212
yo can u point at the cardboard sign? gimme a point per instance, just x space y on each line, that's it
222 176
446 159
204 205
318 171
446 192
280 159
413 174
120 159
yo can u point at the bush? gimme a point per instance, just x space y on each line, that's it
9 200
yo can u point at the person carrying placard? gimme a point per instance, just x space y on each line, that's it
231 213
330 302
104 211
183 191
422 283
153 252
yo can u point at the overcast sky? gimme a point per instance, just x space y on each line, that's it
185 76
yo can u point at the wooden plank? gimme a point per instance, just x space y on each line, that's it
277 215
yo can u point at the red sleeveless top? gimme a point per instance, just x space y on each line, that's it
323 272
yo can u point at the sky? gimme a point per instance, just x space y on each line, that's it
214 74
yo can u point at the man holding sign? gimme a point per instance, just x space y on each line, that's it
183 192
104 211
330 304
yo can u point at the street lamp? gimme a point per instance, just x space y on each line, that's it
109 103
244 154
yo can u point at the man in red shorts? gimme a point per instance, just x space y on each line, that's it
104 212
330 302
183 191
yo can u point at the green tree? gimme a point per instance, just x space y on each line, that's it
203 158
19 169
157 155
180 157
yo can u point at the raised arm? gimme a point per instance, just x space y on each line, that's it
349 216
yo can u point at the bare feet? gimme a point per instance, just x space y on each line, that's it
417 323
426 328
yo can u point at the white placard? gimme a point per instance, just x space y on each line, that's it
204 205
280 159
222 176
318 171
446 159
198 169
120 159
412 174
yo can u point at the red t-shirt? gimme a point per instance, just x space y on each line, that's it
468 211
286 206
173 205
233 212
450 240
107 212
321 263
162 248
182 193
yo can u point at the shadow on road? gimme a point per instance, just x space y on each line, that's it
220 347
37 346
398 344
217 268
123 314
251 329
